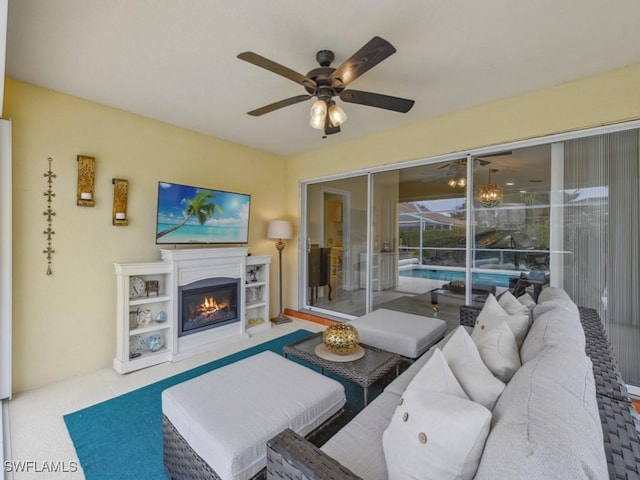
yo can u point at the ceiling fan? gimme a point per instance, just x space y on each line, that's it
327 82
456 169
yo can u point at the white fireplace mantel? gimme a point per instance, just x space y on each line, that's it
192 265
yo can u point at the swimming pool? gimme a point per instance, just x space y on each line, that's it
499 280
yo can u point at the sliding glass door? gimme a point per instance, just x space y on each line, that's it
335 242
414 238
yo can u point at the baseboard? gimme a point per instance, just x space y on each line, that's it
311 317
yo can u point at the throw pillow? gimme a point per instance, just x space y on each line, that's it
433 435
492 315
527 300
436 376
498 350
511 304
466 364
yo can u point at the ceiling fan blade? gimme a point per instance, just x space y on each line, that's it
375 51
276 68
328 128
276 105
378 100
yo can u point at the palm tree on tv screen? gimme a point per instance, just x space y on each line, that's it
200 207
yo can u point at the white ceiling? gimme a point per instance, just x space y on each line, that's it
175 61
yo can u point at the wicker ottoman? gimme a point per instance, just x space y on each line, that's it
406 334
217 425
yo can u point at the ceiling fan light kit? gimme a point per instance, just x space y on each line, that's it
457 182
336 114
326 82
318 114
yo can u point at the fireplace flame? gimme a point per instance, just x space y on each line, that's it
210 305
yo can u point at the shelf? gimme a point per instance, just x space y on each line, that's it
127 330
265 325
147 359
258 304
152 327
146 300
255 284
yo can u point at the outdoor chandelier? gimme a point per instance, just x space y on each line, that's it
490 195
319 111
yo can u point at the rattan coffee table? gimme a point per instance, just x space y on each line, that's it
365 371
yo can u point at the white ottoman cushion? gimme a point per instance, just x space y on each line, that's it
228 415
406 334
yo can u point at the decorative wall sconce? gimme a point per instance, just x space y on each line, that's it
120 194
86 178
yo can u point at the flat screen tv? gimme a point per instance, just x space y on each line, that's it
196 215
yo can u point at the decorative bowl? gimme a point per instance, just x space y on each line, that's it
456 287
154 342
341 338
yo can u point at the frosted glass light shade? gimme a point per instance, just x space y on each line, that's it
279 229
337 115
318 114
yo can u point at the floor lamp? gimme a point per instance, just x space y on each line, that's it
279 230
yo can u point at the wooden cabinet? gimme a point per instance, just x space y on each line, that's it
318 263
143 314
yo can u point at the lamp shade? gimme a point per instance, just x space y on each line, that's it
279 229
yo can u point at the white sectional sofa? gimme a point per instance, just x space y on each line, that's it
546 420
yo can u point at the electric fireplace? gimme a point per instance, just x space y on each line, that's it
207 304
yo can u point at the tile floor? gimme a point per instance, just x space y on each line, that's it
36 428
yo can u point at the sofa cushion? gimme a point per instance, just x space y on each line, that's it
511 304
550 298
436 376
546 423
498 350
434 435
475 378
492 314
558 326
358 445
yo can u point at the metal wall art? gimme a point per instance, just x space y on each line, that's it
49 213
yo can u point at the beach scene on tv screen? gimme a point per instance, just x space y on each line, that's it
189 214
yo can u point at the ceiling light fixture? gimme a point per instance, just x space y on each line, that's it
490 194
318 114
458 180
323 110
336 114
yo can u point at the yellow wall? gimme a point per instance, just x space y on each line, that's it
64 324
603 99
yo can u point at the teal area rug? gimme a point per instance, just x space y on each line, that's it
122 437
